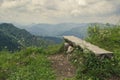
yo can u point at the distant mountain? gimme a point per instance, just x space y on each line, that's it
53 40
13 38
52 29
76 29
79 31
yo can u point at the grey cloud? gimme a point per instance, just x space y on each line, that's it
56 11
118 11
1 2
98 8
51 5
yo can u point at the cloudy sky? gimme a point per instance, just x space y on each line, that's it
59 11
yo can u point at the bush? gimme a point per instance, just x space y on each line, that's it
90 67
107 38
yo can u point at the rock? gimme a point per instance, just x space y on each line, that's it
70 49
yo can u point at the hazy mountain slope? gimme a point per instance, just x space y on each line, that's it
13 36
51 29
53 40
79 30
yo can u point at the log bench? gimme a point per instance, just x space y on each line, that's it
73 41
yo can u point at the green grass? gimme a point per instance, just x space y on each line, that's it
54 49
28 64
89 67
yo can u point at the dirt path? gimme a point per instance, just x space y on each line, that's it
62 66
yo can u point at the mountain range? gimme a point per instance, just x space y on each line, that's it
59 30
13 38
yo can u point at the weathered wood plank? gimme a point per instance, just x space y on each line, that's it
86 45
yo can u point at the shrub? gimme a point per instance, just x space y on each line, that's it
90 67
107 38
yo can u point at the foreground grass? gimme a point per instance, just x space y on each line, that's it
28 64
89 67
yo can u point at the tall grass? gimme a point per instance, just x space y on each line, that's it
89 67
28 64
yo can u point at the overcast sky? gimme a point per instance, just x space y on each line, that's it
59 11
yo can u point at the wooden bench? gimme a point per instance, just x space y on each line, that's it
77 42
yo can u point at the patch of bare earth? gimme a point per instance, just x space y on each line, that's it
61 65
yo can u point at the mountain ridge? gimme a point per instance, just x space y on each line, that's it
76 29
13 38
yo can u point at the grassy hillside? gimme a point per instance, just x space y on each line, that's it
89 67
108 37
28 64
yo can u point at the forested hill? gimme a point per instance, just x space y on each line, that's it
8 42
13 38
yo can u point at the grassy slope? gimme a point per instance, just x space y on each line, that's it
28 64
92 68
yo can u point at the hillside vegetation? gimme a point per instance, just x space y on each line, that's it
89 67
27 64
6 42
13 38
107 37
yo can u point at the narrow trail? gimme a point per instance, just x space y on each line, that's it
61 65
